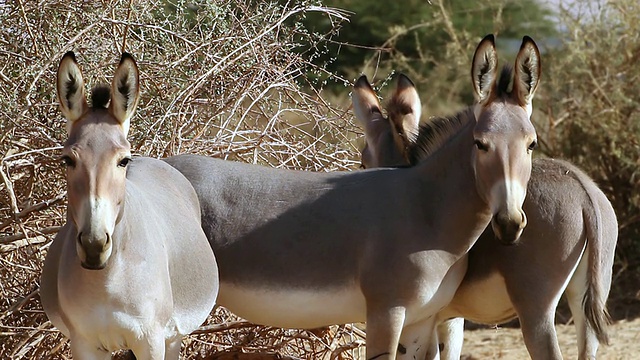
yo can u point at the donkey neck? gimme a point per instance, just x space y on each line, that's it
449 194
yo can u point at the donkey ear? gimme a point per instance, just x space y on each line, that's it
405 108
125 91
484 68
527 72
366 105
70 87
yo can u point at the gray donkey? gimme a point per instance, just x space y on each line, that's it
568 245
303 250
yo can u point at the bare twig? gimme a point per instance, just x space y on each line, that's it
18 305
223 327
37 207
26 24
12 195
126 28
19 236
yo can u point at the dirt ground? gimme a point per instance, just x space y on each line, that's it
507 343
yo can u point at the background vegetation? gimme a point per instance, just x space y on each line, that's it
590 114
268 83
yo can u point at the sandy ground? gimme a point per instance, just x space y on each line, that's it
506 343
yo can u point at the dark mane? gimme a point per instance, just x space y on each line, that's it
435 132
100 96
502 86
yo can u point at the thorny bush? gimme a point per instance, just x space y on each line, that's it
223 78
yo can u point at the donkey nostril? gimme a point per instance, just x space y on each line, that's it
524 219
79 238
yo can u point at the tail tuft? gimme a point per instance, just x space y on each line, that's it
598 317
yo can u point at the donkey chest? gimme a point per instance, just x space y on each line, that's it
108 329
97 303
110 306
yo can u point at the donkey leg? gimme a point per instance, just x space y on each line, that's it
151 348
539 334
419 341
535 296
575 292
384 326
450 338
172 348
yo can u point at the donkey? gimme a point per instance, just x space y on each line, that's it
567 246
131 268
303 250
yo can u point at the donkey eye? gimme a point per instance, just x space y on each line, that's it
533 145
482 146
124 162
67 161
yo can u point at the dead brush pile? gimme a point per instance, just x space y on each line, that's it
223 78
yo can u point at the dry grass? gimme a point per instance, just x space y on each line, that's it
225 78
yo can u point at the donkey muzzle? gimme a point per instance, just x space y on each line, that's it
509 227
93 250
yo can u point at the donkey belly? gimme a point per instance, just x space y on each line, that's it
482 300
306 308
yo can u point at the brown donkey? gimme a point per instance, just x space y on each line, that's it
567 246
131 268
304 249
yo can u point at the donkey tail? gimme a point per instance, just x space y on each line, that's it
594 307
595 296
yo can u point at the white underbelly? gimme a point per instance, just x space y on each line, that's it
294 308
484 301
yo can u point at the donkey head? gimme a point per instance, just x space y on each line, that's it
504 135
96 154
387 138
